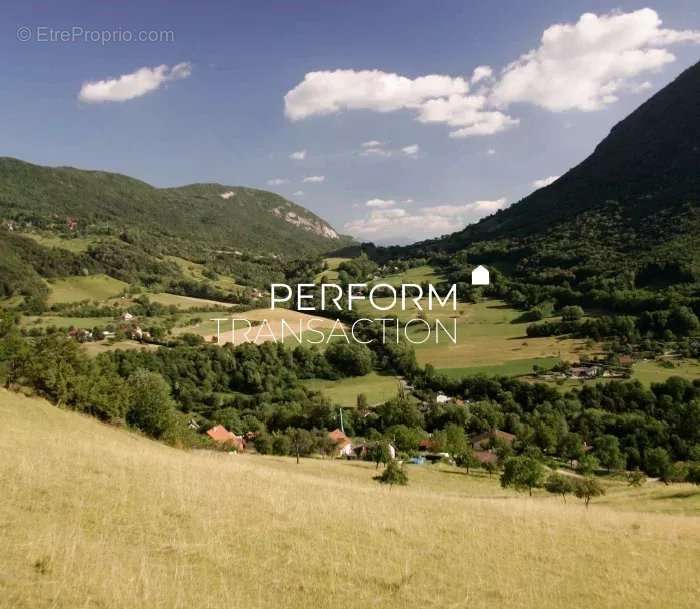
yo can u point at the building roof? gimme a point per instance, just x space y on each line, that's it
221 434
338 437
493 434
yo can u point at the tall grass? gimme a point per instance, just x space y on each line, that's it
92 516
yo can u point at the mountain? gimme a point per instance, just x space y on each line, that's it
202 216
648 166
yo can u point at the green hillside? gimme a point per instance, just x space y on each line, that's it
210 215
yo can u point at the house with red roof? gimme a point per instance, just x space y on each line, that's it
224 437
342 442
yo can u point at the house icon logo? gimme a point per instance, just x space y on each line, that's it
480 276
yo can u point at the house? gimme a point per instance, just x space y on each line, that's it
126 316
585 372
223 436
483 441
342 442
480 276
361 451
626 360
442 398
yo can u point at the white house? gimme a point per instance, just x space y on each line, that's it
442 398
480 276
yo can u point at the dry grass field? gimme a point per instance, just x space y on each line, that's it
95 517
260 333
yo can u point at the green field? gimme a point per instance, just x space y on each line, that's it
92 287
418 274
44 321
487 340
377 387
76 245
95 516
649 371
331 274
185 302
517 367
195 271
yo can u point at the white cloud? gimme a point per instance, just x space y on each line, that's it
330 91
377 152
129 86
314 179
299 155
298 193
480 73
491 151
380 203
372 144
278 181
641 87
411 150
390 224
544 182
436 98
467 112
584 65
577 66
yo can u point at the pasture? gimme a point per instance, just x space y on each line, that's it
94 516
90 287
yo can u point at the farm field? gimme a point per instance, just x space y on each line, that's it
91 287
649 372
207 328
95 348
418 274
332 273
76 245
177 524
185 302
195 271
377 387
487 340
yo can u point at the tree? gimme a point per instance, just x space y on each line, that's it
571 447
263 443
658 464
587 465
571 313
587 488
490 467
607 450
302 442
693 475
352 359
152 407
522 473
636 478
559 484
281 444
393 474
379 452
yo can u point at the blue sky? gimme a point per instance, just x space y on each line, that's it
443 145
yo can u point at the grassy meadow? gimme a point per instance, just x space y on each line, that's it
377 387
487 339
91 287
93 516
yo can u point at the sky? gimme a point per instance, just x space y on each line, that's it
394 121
